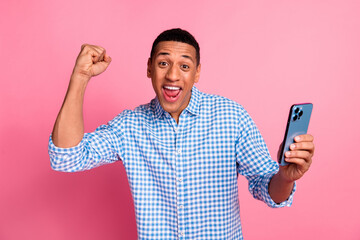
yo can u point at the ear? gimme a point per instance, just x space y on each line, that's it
148 72
197 74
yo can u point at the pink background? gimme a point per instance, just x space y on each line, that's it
265 55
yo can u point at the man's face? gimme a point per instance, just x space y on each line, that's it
173 72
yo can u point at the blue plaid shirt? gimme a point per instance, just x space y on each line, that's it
183 177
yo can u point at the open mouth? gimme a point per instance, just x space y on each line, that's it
171 93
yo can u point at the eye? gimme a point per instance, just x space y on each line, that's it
185 66
163 64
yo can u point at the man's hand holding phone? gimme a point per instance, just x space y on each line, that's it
296 151
299 157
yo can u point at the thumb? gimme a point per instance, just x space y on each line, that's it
101 66
107 58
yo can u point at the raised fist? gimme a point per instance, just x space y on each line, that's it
91 61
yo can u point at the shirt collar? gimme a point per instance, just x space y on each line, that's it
193 106
195 101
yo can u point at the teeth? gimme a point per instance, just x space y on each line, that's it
171 88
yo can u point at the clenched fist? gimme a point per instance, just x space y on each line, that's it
91 61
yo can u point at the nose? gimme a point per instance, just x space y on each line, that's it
173 73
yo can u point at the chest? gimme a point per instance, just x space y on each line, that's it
195 144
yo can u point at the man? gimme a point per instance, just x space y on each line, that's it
182 151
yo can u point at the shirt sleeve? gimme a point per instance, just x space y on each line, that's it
255 163
97 148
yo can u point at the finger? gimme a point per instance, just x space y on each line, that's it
98 48
96 52
99 67
97 56
83 46
101 57
107 58
101 52
304 138
87 48
299 154
302 165
308 146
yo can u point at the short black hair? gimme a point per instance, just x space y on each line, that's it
177 35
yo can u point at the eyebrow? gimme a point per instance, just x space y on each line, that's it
167 54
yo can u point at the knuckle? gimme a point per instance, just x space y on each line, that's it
312 146
84 46
311 137
102 51
308 159
98 48
293 154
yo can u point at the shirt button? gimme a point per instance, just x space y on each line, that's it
180 179
181 233
178 151
181 206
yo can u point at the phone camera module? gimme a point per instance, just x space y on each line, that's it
295 117
300 113
296 110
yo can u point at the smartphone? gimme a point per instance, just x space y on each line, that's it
297 124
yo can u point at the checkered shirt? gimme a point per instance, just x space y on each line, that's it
183 177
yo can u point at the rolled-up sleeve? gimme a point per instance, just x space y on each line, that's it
97 148
255 163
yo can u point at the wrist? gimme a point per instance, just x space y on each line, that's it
78 82
79 77
283 177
